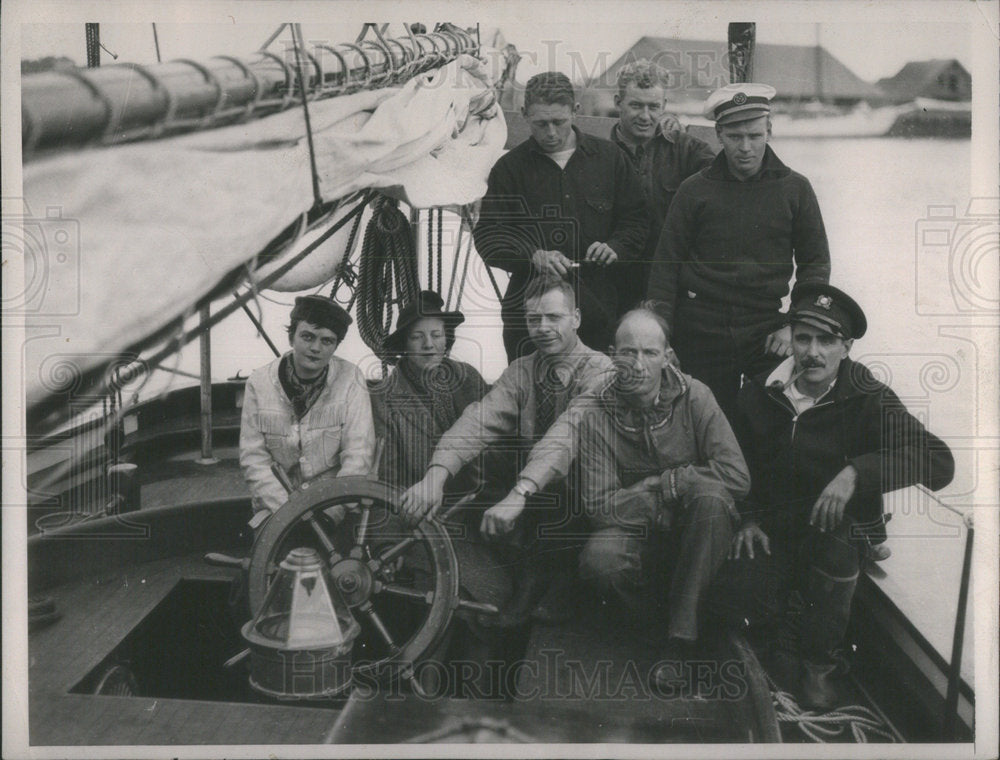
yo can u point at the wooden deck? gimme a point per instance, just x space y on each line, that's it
105 583
97 613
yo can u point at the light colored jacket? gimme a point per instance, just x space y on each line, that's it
335 434
507 412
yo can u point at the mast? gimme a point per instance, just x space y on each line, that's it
742 38
819 66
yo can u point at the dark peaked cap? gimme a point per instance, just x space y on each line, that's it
827 308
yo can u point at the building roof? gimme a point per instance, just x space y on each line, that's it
699 66
916 76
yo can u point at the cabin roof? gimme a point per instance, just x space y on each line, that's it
917 76
699 66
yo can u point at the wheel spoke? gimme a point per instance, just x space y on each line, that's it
373 617
405 670
362 534
324 539
390 553
427 597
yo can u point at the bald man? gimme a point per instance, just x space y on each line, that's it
661 470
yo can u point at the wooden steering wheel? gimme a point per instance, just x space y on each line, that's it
400 583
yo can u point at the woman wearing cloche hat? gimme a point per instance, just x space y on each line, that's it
307 411
425 393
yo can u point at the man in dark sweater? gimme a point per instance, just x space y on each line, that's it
735 234
662 154
560 203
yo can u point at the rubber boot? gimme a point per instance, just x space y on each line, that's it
784 662
824 622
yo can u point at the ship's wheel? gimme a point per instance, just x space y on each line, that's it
400 583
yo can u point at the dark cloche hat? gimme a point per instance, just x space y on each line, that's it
322 312
427 304
828 308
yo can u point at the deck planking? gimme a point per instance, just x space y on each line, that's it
97 614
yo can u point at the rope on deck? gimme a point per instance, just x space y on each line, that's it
864 724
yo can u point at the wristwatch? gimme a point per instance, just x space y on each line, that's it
522 490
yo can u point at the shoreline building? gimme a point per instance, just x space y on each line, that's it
938 79
800 73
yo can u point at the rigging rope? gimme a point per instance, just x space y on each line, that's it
440 248
387 257
430 246
864 724
298 43
454 263
347 274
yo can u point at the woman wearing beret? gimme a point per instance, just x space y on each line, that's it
424 394
308 411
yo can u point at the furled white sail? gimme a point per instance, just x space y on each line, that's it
156 225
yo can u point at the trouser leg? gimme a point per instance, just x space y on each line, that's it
719 343
752 592
706 531
614 563
831 578
707 355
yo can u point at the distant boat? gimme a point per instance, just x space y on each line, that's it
929 117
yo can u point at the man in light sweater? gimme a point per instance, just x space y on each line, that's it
522 405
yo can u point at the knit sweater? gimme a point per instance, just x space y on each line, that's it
739 243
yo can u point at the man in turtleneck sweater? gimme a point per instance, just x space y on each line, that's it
735 234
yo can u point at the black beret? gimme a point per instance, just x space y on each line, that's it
322 312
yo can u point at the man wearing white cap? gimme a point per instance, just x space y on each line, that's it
736 233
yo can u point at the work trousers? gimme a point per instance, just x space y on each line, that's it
718 343
822 566
652 571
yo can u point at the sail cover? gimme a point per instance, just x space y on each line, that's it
147 229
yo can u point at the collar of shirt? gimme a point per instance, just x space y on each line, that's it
771 168
799 401
632 148
584 142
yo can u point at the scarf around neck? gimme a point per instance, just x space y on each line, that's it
437 388
302 393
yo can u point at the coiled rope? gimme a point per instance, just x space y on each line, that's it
864 724
387 260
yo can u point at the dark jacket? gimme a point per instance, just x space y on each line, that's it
531 204
739 242
684 439
660 166
410 426
860 421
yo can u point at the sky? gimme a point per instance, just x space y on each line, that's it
575 37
